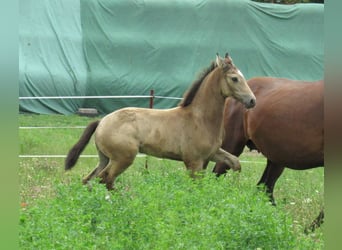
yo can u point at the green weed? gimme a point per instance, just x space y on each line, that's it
158 207
158 212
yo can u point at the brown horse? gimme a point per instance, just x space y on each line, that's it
286 126
191 132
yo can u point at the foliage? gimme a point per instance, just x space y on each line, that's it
159 207
158 212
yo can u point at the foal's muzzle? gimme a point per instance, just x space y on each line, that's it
251 103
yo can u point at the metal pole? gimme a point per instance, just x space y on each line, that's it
151 98
151 107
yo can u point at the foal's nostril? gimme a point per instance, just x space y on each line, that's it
252 103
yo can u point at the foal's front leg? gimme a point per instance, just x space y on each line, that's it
195 166
231 160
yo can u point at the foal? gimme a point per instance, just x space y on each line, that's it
191 132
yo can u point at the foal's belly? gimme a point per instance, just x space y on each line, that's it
160 154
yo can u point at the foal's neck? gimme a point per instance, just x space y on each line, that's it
209 102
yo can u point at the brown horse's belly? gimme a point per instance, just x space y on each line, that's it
295 160
288 132
296 153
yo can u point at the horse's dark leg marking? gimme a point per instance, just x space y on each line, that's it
270 176
316 223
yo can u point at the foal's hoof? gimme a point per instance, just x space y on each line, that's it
236 166
88 184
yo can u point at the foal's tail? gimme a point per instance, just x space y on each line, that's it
77 149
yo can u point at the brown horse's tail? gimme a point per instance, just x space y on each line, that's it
77 149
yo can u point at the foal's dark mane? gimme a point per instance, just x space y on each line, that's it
191 92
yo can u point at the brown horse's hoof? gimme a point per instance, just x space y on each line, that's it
316 223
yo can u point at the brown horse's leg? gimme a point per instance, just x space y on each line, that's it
265 174
103 161
316 223
271 174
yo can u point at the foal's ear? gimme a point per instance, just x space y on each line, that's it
219 61
228 59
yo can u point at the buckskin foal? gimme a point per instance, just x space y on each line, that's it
191 132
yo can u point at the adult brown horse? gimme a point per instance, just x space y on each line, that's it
191 132
286 126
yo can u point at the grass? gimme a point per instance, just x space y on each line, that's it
159 207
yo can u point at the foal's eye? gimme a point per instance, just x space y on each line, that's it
234 79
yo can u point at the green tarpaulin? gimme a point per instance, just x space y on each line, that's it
128 47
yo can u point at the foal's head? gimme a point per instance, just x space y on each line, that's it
234 83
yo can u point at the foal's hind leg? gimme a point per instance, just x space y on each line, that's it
115 167
103 161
